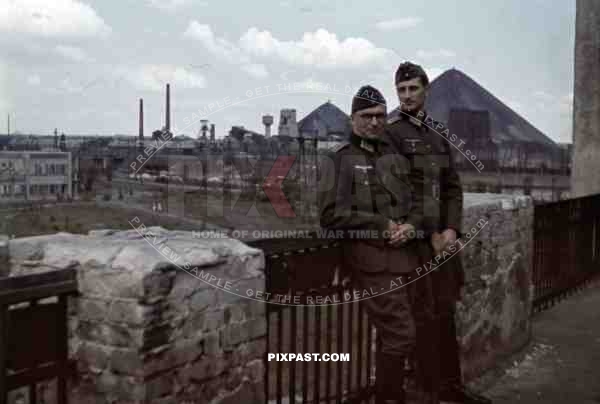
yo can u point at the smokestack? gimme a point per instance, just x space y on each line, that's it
168 111
204 126
141 124
8 129
212 132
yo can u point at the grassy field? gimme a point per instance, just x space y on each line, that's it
112 205
80 218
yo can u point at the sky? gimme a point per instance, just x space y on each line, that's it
82 66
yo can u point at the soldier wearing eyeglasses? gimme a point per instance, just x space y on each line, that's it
368 191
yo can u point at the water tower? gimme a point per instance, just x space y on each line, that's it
267 120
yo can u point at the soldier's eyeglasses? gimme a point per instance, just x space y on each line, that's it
369 117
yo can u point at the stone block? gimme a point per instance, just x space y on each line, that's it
254 370
109 334
173 356
211 343
234 334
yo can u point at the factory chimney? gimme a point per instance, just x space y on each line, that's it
141 124
168 111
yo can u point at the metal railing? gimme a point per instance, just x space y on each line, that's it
33 332
566 248
307 269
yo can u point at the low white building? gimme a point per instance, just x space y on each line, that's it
32 175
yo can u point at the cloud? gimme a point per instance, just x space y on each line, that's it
56 18
398 24
72 53
320 49
440 53
219 47
172 5
224 49
256 70
154 77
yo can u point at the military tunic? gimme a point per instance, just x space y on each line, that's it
367 189
433 176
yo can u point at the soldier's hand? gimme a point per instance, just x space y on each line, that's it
437 242
402 233
442 241
449 236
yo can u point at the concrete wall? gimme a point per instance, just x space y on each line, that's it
145 331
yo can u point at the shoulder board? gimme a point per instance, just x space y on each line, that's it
429 121
339 147
393 119
393 116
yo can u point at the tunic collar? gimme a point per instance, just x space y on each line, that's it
369 144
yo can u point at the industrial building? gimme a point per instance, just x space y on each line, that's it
35 175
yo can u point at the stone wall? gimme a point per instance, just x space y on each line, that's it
493 315
143 330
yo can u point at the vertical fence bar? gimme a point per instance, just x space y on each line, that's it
358 380
292 364
268 345
339 347
317 386
329 344
369 349
63 349
305 349
350 327
3 345
279 371
32 386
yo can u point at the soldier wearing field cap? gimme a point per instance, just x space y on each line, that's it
412 133
367 188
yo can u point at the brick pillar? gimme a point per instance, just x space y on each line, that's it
143 330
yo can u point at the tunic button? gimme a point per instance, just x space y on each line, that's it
433 164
